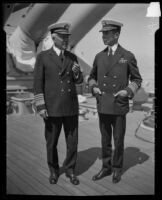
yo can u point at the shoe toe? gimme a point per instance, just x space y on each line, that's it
116 177
53 178
53 181
75 181
101 175
94 178
116 180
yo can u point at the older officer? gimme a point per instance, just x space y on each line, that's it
55 74
109 78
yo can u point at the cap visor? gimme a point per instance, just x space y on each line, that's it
107 29
63 33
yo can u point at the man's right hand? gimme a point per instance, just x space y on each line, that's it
44 114
96 90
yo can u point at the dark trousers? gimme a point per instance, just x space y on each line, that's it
53 127
112 125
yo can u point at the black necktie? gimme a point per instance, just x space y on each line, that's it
110 52
110 56
61 56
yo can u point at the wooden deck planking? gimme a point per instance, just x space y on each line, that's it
18 140
36 163
139 182
65 183
36 166
11 186
88 139
18 151
29 160
106 182
18 181
29 178
33 169
97 135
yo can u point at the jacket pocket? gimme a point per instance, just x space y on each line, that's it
121 101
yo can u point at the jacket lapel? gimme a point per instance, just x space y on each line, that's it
55 58
105 59
66 62
115 58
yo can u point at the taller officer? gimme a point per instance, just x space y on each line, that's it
55 74
109 78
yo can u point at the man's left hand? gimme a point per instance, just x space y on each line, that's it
76 68
122 93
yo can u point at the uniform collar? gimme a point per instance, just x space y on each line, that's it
114 47
57 50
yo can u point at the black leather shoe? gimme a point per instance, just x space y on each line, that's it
116 176
102 173
73 179
53 177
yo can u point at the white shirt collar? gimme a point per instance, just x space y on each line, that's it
57 50
114 47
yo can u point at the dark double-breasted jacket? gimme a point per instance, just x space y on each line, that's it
54 84
119 74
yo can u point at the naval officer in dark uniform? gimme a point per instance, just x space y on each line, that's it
55 74
114 80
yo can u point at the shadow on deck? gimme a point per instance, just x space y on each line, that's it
27 171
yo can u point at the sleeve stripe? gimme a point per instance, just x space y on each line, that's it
133 86
39 96
39 102
42 111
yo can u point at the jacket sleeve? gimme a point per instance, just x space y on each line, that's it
134 77
39 85
78 78
92 79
